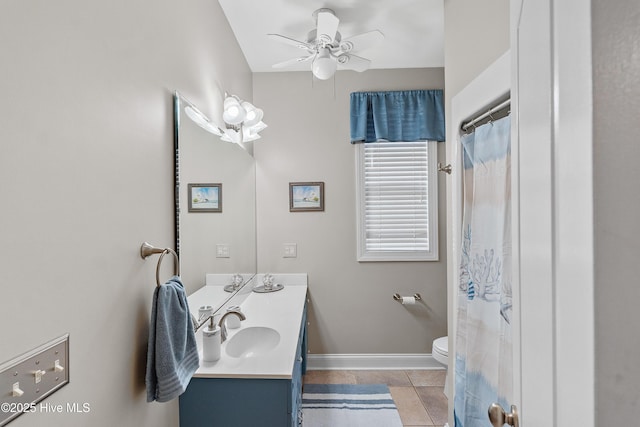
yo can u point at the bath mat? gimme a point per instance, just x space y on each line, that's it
348 405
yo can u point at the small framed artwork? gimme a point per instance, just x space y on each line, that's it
205 197
306 196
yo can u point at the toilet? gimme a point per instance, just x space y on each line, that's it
440 352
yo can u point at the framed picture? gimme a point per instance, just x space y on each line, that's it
306 196
205 197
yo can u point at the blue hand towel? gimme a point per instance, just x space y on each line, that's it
172 357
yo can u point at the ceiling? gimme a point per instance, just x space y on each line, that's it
413 30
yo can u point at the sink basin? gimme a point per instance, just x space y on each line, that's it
252 341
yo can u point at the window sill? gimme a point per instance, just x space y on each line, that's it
387 257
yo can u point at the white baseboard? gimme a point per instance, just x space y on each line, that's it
372 361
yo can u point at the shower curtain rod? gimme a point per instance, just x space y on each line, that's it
472 122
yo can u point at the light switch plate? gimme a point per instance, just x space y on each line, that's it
27 379
222 251
290 250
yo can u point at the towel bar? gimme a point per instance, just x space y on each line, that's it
146 250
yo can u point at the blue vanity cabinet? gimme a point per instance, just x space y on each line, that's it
247 402
299 369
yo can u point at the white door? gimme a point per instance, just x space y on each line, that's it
548 75
551 152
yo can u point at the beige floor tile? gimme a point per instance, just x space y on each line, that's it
412 412
427 377
435 401
418 394
390 378
329 377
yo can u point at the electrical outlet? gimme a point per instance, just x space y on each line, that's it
290 250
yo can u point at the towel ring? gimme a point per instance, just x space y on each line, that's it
146 250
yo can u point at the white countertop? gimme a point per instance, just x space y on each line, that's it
281 310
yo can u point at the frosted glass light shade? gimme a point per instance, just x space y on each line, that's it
324 66
258 127
243 120
249 136
201 120
253 114
233 112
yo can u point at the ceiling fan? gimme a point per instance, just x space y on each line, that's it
326 49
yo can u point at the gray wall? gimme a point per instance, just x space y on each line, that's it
86 129
352 310
476 34
616 84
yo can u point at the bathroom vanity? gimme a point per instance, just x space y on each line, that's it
258 379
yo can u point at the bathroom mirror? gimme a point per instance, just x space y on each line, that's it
215 213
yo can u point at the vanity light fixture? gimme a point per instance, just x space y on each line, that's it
242 119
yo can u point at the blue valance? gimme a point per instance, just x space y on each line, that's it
408 115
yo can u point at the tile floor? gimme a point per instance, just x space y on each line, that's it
419 395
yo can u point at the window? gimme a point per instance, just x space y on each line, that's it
397 201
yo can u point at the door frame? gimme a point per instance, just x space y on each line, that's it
552 196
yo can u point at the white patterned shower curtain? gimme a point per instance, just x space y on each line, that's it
483 370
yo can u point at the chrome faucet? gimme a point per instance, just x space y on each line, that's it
223 327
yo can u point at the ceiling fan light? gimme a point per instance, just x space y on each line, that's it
324 66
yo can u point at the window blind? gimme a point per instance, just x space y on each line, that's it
396 200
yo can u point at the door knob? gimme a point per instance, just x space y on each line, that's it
498 417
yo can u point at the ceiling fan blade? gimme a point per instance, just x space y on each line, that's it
293 61
348 61
361 41
327 26
292 42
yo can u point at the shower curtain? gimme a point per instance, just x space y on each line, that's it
483 364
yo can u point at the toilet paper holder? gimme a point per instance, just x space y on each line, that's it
398 297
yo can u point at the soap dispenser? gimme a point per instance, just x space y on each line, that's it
211 342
